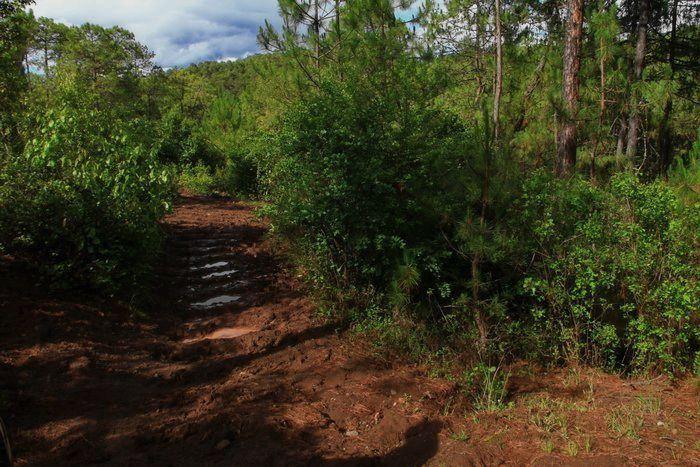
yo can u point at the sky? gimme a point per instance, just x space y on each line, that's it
179 32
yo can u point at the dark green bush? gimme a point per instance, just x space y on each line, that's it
349 178
181 142
381 193
569 270
613 277
196 180
84 198
236 178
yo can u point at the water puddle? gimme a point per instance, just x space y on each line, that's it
210 266
210 241
217 301
230 333
220 274
217 287
205 249
224 333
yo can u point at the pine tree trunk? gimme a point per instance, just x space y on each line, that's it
498 84
479 315
317 39
640 52
46 60
621 139
665 136
601 113
566 151
478 62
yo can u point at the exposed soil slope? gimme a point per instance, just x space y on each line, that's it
233 367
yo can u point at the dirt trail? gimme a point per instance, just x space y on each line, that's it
231 367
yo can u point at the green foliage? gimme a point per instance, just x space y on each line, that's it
196 179
229 180
15 33
83 199
385 177
180 142
376 149
347 169
488 384
684 176
81 187
237 177
615 272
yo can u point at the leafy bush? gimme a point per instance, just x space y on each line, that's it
684 175
84 198
380 196
613 271
181 142
348 180
237 177
231 179
197 180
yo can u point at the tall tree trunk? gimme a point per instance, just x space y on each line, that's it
566 151
601 114
640 52
664 127
337 18
621 139
477 55
479 315
601 121
317 39
520 123
498 83
46 60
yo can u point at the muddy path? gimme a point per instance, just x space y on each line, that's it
233 366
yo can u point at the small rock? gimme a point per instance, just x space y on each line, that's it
352 433
660 423
223 444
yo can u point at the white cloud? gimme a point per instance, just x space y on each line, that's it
180 32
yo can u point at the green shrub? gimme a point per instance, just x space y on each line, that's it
180 142
349 181
197 180
237 177
84 198
614 272
684 175
380 197
234 179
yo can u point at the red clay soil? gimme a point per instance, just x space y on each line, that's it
233 366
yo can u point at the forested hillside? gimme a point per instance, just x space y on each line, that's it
468 185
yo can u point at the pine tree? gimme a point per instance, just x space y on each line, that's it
567 144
